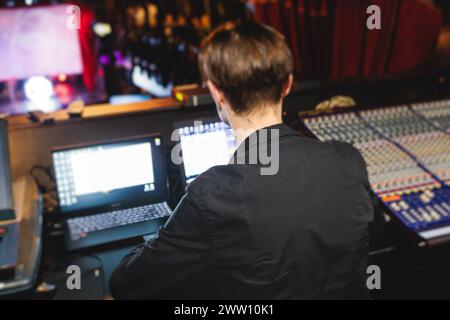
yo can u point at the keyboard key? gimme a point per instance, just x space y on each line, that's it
80 227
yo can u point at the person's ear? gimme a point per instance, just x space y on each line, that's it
287 86
223 109
216 93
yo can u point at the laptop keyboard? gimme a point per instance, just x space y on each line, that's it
81 226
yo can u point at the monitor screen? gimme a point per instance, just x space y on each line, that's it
108 174
204 146
6 201
38 42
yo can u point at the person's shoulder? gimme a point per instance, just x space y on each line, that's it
346 151
332 147
342 148
216 179
349 153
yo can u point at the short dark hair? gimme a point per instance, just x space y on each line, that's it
249 62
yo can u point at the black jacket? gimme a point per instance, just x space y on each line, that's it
237 234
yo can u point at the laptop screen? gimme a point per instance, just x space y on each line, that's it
112 174
204 145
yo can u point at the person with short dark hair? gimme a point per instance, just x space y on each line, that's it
251 64
294 227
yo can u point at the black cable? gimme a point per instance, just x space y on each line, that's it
47 186
46 182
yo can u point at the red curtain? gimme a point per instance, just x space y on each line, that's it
87 45
329 38
418 30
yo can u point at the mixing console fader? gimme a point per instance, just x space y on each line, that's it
390 169
408 161
428 145
437 112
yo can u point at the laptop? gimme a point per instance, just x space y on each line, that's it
205 143
111 191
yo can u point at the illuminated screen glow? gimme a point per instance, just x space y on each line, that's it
204 148
97 170
37 42
110 169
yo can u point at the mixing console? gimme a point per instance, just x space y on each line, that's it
407 153
390 169
346 127
396 121
438 112
432 150
429 145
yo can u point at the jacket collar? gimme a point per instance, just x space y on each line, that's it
264 136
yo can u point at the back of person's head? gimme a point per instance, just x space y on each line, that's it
250 63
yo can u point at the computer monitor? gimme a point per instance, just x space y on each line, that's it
36 40
6 198
111 175
204 144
